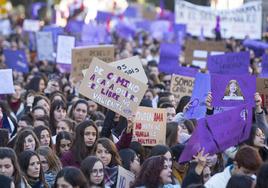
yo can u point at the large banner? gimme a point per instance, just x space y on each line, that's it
246 20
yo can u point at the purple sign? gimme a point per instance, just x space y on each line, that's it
265 64
232 90
16 59
258 47
197 109
169 57
219 132
124 30
230 63
180 32
63 68
143 25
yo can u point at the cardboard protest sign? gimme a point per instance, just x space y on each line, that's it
112 89
169 57
196 52
219 132
201 88
181 86
64 49
131 66
150 126
262 88
125 178
232 90
45 47
82 57
6 81
16 59
229 63
31 25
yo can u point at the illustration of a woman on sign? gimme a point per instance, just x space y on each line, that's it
233 91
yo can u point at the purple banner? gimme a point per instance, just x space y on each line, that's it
131 12
124 30
74 26
232 90
143 25
219 132
230 63
16 59
169 57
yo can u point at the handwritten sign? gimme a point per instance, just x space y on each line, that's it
181 86
232 90
31 25
82 57
111 88
45 48
219 132
196 52
6 81
64 49
16 59
125 178
131 66
150 126
262 88
229 63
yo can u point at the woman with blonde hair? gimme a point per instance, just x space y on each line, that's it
232 91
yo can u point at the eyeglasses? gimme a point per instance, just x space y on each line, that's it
95 172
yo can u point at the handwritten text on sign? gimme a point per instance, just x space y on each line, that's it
181 86
111 88
150 126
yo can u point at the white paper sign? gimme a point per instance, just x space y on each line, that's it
200 54
31 25
199 63
64 49
6 81
44 43
237 23
5 27
131 66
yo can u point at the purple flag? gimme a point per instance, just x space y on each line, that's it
201 138
143 25
124 30
35 8
131 12
103 16
16 59
231 127
258 47
74 26
169 57
230 63
232 90
201 88
64 68
219 132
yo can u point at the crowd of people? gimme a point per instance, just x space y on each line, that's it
50 136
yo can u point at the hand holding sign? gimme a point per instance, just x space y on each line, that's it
209 101
201 160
